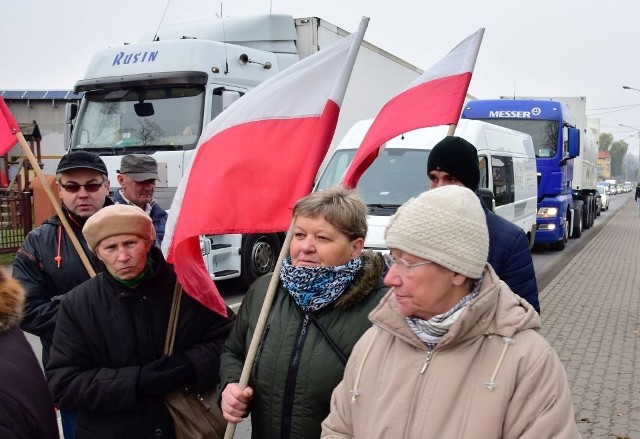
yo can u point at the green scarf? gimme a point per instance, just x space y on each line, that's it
132 283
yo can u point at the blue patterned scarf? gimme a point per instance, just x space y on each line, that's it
313 288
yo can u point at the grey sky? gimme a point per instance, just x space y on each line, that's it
530 48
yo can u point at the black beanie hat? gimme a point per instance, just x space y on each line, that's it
457 157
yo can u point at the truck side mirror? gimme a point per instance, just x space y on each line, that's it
229 97
70 111
574 142
486 195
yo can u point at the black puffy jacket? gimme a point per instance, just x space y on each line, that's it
26 407
105 332
45 278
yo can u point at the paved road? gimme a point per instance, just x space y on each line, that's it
590 315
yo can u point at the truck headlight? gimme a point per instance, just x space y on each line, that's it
547 212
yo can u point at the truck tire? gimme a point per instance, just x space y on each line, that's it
587 214
560 245
259 256
577 224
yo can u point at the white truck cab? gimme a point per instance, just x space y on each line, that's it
507 168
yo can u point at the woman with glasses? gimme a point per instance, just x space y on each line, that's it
453 352
47 264
328 286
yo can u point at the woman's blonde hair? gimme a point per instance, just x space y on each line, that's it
343 208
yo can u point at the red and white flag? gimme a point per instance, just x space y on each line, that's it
256 159
8 128
435 98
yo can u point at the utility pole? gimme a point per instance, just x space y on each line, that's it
626 87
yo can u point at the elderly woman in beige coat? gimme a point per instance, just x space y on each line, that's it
453 352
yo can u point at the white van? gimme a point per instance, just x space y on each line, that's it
507 169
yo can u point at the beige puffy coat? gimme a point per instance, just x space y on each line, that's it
491 376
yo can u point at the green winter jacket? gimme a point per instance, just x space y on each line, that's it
296 368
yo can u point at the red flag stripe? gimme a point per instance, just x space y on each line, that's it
8 128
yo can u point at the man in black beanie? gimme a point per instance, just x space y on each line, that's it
454 161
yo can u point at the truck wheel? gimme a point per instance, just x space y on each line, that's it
578 225
586 216
560 245
259 256
588 213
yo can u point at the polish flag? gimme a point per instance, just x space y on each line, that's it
256 159
435 98
8 128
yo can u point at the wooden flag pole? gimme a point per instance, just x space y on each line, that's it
452 130
262 322
56 204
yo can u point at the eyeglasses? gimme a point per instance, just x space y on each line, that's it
402 265
73 188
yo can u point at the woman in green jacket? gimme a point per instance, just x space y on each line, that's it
328 286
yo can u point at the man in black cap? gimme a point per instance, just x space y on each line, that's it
137 177
47 264
454 161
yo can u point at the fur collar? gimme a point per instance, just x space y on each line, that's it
11 301
369 278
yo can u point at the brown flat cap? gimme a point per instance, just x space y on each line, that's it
117 219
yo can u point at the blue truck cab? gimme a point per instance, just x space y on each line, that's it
556 141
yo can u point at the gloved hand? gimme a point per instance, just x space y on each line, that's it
166 374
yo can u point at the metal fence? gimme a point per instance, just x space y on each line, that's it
16 219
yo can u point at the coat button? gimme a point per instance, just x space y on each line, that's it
158 432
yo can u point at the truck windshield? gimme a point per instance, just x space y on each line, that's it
395 176
143 120
544 133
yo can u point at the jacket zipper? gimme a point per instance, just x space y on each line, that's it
423 369
426 363
292 375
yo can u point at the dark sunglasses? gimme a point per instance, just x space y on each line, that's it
72 188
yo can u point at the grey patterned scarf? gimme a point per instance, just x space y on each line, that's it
431 331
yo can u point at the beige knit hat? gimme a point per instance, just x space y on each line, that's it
117 219
446 225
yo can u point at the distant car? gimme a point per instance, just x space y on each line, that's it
620 189
613 189
604 197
